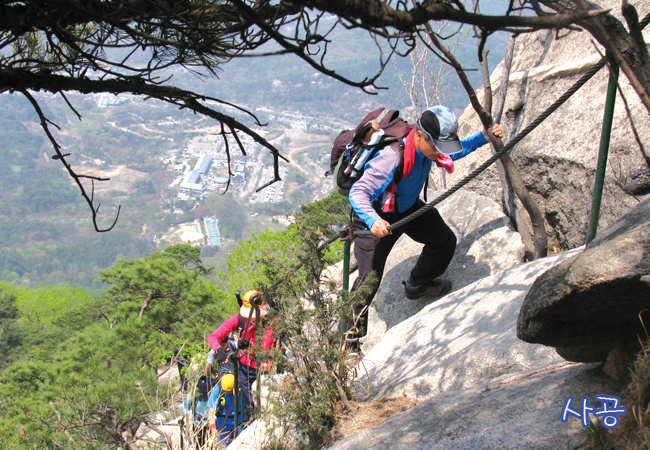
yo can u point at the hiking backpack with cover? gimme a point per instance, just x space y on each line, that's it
225 415
352 149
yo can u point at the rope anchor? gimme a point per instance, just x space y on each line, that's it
346 232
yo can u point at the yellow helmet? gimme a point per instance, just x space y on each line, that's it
228 382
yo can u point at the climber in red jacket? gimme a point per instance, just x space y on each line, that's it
245 322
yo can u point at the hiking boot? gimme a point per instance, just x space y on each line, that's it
434 288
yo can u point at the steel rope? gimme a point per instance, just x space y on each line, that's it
578 84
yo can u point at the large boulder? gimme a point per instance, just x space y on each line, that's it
558 159
597 300
480 386
487 244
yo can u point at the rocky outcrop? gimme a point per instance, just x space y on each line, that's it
463 340
558 159
597 300
516 413
481 387
487 244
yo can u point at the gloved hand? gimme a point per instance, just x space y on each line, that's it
222 355
243 343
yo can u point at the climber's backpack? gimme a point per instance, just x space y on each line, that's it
353 148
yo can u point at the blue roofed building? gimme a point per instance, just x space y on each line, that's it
191 184
212 230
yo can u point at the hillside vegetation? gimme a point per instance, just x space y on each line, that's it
80 371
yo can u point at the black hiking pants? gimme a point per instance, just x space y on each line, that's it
372 252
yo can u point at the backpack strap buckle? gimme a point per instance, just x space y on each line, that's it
347 232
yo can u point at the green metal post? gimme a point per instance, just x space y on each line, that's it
346 273
604 149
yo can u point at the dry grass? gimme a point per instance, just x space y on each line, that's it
633 431
369 414
120 178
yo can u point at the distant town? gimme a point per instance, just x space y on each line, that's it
207 173
202 168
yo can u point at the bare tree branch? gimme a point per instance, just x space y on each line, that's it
75 177
371 14
519 186
510 206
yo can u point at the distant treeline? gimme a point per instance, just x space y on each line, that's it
48 261
45 230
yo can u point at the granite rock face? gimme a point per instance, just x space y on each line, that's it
599 299
486 245
558 159
515 413
480 386
463 340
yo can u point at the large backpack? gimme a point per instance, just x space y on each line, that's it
225 416
353 148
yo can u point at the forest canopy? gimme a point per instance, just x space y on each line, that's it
86 368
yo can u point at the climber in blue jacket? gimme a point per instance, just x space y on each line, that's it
378 203
221 410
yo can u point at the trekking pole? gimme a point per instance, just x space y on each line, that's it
347 231
235 365
346 271
181 422
256 302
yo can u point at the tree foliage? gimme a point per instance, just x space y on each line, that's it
231 214
88 392
163 296
50 304
83 373
298 249
40 318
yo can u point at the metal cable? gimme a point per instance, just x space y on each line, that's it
572 90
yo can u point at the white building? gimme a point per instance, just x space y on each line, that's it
191 184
